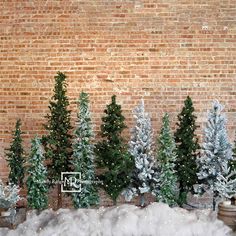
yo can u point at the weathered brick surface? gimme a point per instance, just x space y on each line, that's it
159 50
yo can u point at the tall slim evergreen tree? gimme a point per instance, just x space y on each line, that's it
187 150
112 155
141 149
15 157
57 143
166 190
217 151
83 157
37 177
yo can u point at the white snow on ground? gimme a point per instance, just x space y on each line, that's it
126 220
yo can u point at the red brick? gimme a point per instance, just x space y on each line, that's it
160 51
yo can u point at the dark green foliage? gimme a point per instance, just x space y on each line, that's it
15 157
187 150
112 155
83 157
58 141
232 163
37 177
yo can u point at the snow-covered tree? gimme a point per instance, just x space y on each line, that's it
141 148
166 189
217 151
226 183
83 156
37 177
9 195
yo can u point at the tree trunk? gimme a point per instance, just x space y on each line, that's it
182 194
142 200
182 197
59 197
114 202
214 202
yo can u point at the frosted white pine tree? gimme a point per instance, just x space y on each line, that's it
216 153
140 147
226 183
9 195
83 157
166 188
37 177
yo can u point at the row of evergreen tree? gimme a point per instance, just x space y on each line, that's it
170 172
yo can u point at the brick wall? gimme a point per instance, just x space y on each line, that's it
156 49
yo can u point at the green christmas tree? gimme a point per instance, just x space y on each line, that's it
187 150
83 157
57 143
37 177
166 189
112 155
15 157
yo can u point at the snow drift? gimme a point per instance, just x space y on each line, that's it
126 220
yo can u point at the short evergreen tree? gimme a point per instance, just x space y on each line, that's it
187 150
9 195
166 190
15 157
37 177
112 155
141 149
226 183
83 157
57 143
217 151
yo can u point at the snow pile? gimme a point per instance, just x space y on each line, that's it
125 220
